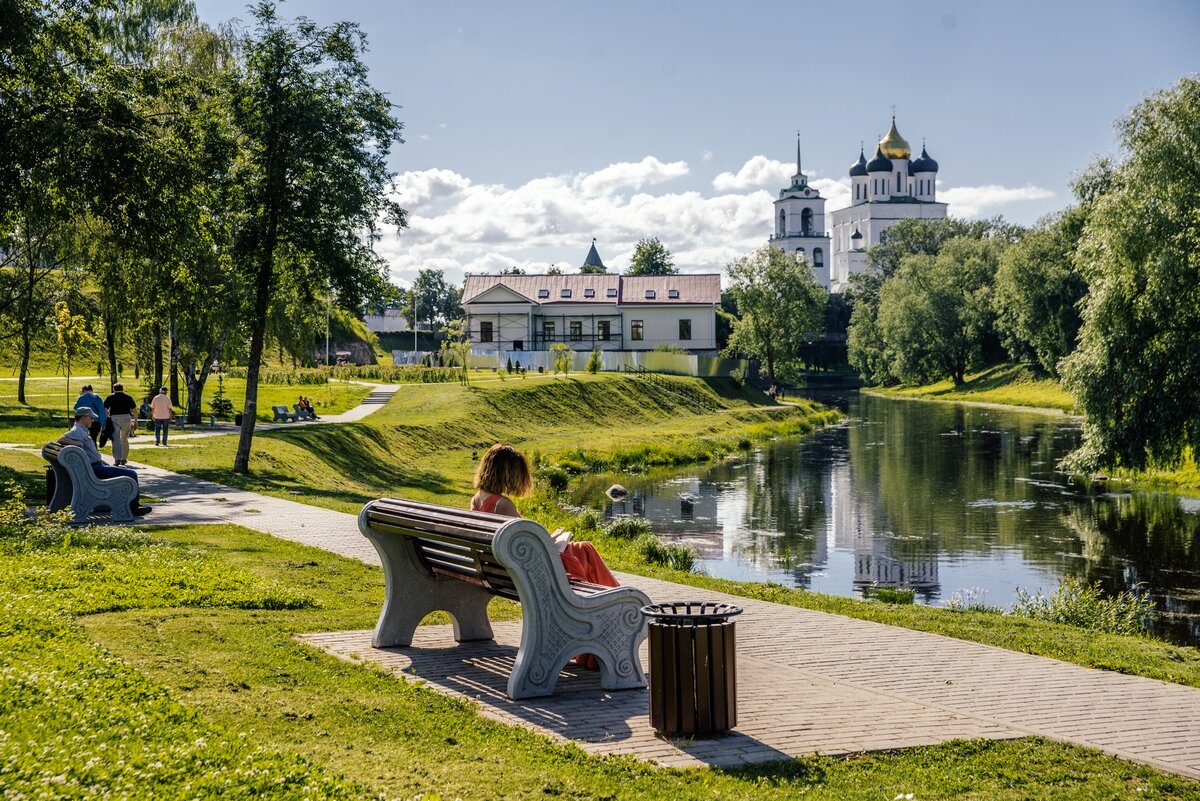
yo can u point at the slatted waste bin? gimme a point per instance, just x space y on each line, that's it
693 671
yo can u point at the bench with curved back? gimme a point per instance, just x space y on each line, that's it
456 560
75 485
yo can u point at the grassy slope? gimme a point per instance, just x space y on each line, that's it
1005 384
420 444
243 672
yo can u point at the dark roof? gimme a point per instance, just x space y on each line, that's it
593 258
859 167
856 235
692 289
880 163
924 163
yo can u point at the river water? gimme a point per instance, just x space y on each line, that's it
945 499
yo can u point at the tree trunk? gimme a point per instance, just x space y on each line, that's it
110 340
241 462
24 369
174 364
156 332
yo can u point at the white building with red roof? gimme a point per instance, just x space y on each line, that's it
592 310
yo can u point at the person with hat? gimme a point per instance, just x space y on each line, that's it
79 436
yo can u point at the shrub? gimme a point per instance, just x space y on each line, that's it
564 357
587 520
676 557
969 599
891 595
627 528
1085 606
556 478
594 362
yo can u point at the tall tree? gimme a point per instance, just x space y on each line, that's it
650 257
1038 289
780 308
935 311
432 299
313 175
1136 371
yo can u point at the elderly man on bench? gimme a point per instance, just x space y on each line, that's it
78 435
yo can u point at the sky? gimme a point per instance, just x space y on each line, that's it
531 128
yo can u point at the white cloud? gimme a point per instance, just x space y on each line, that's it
756 173
647 172
976 201
415 189
706 155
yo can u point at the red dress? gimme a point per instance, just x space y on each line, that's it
580 559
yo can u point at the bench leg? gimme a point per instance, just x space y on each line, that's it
412 594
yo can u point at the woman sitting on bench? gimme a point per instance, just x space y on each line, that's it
505 471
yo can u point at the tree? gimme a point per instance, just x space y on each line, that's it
780 307
595 362
432 299
934 312
456 349
564 357
72 335
1038 289
1136 370
313 173
651 258
591 269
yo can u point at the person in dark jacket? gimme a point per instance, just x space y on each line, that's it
120 407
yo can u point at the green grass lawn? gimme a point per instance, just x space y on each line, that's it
1004 384
189 683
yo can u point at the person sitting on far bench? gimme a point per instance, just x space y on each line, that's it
78 435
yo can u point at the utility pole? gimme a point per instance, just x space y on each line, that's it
328 303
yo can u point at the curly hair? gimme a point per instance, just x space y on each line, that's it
505 471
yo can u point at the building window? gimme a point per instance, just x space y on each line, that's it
806 222
612 292
604 330
635 330
589 293
576 330
685 329
547 330
485 331
897 183
566 293
672 293
651 294
518 344
818 257
782 222
543 293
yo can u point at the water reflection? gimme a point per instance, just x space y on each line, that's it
935 497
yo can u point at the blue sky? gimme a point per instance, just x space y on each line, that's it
532 127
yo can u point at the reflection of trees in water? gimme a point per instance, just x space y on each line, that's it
1147 539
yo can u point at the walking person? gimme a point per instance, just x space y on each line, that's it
91 400
160 413
120 407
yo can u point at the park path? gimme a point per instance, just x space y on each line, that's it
808 682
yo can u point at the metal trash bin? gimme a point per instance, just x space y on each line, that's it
693 670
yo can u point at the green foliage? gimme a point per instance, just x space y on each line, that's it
969 599
781 308
890 595
556 478
595 362
1038 290
1135 372
435 300
650 257
673 557
564 357
1077 603
934 312
628 528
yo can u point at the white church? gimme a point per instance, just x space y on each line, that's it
890 187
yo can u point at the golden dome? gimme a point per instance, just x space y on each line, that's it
893 145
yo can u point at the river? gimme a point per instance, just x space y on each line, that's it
949 500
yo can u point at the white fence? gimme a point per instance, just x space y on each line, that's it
612 361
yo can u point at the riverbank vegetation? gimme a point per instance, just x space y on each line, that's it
1005 385
195 685
1101 296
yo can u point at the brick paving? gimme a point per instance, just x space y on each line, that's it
809 682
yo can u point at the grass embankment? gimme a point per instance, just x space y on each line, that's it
1003 385
424 443
201 690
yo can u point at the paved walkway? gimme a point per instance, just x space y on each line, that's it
808 682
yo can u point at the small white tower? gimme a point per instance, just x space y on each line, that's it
879 173
924 171
858 179
800 223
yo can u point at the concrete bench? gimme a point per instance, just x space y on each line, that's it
303 414
75 485
282 415
455 560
